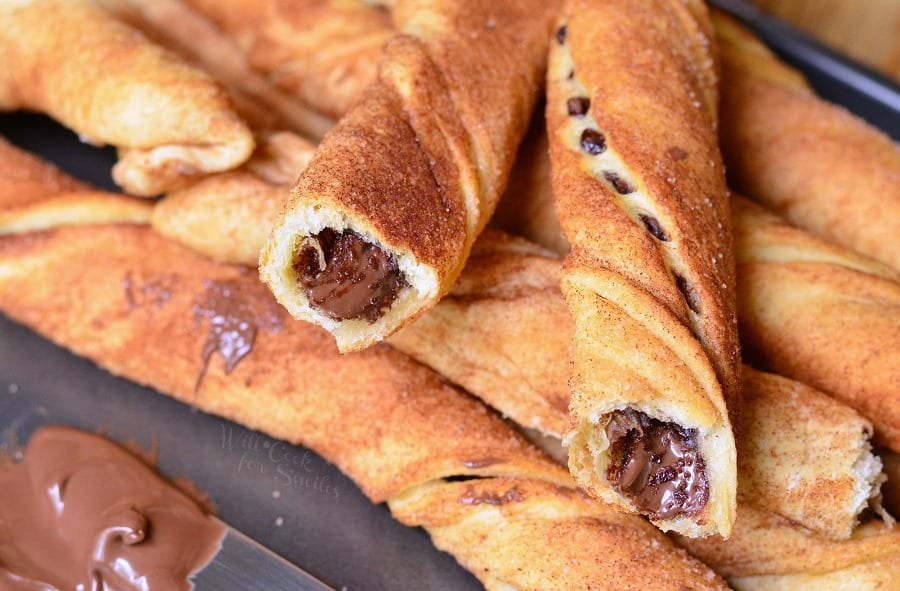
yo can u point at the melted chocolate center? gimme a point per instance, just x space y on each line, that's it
658 465
346 277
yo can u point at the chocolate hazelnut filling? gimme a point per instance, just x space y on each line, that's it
346 277
658 465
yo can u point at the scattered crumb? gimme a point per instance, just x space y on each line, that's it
276 494
279 521
13 388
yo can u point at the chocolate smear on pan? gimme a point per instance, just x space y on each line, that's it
80 512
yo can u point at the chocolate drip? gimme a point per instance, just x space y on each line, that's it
233 322
658 465
79 512
346 277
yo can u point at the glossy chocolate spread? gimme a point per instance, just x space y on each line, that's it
658 465
80 513
233 321
346 277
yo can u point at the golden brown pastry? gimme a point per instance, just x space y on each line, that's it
227 217
38 195
808 309
768 552
381 222
74 61
193 37
811 161
820 314
144 307
502 333
805 460
805 456
325 52
640 194
526 208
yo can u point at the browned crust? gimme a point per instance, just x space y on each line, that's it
821 315
138 305
591 546
227 216
526 207
767 544
647 70
804 456
644 121
176 26
74 61
818 313
370 164
502 333
419 163
25 178
811 161
325 52
38 195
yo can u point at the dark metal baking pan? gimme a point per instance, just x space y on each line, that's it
317 518
835 77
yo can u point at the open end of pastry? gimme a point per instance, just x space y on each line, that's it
326 270
656 465
345 277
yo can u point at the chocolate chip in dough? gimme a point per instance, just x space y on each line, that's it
561 34
593 142
690 294
578 106
621 186
654 227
